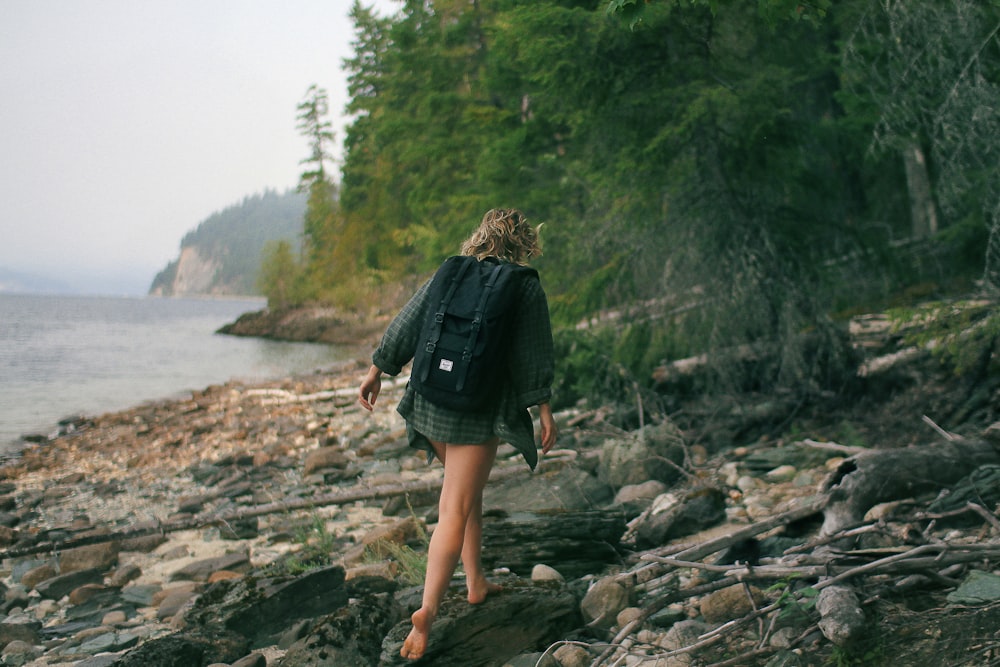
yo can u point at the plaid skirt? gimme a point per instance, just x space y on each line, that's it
432 422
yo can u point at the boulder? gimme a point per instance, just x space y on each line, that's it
675 515
652 452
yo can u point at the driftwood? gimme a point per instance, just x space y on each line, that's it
834 575
350 495
877 476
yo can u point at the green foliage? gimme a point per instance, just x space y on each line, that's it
795 604
601 362
280 275
962 334
739 163
412 564
316 547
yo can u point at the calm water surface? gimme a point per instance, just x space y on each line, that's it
62 356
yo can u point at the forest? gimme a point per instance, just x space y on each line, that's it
728 179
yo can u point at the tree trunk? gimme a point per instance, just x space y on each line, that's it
923 213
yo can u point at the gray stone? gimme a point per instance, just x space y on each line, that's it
140 595
20 629
201 570
62 584
601 604
643 455
978 588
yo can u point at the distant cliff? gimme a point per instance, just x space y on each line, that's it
222 255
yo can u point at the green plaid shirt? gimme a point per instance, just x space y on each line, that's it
528 381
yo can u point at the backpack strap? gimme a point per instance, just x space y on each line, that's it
477 321
435 333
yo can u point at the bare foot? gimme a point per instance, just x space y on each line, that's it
416 642
478 591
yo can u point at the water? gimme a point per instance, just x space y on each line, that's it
63 356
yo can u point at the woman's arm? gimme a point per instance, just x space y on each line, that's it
370 388
549 430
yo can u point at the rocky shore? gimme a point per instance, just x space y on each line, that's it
278 524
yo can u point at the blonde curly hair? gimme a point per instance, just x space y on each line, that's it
506 234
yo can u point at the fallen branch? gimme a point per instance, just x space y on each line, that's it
351 495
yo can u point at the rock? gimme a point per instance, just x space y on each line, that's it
683 633
571 655
124 575
99 556
252 660
541 573
627 615
643 455
20 629
646 491
978 588
351 636
263 608
185 649
36 575
841 619
522 618
201 570
603 602
323 458
172 603
729 603
62 584
672 516
18 653
568 488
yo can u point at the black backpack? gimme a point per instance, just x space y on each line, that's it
460 360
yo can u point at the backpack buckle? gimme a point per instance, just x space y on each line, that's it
430 347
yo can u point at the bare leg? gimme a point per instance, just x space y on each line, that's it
475 579
466 470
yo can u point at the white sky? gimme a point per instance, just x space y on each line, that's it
125 123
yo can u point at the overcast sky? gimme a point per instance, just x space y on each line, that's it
125 123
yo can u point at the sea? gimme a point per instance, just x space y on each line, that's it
70 356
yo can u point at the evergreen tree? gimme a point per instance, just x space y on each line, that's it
321 217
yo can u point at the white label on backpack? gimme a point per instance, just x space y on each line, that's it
446 365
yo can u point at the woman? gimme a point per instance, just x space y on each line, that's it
466 443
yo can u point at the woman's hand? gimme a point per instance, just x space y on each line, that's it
370 388
549 430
